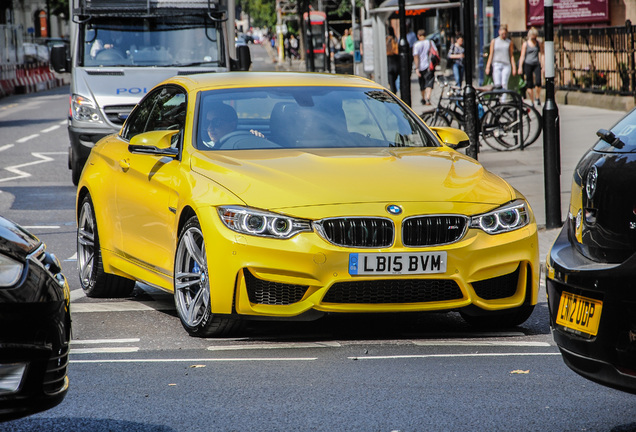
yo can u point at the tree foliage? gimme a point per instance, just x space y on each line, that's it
262 12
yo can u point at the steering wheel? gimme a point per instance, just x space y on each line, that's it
233 138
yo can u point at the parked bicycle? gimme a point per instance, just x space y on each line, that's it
506 122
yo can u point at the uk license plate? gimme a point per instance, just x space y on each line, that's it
579 313
397 263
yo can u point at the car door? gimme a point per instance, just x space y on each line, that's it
146 193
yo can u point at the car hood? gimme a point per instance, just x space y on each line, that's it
15 241
279 179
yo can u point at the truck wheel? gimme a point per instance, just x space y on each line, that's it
76 170
94 280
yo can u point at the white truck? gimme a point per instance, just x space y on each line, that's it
120 49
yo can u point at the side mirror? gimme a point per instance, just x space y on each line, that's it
154 143
60 62
244 57
453 138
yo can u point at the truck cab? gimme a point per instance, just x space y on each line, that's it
120 49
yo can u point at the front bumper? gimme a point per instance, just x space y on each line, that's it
35 330
306 274
609 357
84 139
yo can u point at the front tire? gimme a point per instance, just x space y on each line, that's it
94 280
192 286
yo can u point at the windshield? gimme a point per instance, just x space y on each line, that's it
155 41
306 117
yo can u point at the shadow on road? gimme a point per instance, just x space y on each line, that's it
80 424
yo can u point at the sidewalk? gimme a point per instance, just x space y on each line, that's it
524 169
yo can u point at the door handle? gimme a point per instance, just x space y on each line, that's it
124 164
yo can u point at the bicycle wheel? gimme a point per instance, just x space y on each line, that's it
439 117
536 124
502 126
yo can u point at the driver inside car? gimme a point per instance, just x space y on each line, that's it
221 120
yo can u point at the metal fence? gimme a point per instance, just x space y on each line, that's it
598 60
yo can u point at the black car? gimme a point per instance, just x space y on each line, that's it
591 268
35 325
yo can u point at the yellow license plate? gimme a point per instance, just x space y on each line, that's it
579 313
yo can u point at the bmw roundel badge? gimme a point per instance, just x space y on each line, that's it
394 209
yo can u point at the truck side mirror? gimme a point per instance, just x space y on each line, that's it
59 59
244 57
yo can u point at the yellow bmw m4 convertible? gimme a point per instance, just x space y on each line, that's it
294 195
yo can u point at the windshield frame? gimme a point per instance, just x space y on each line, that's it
209 34
261 126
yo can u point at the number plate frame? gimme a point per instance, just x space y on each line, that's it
579 313
395 263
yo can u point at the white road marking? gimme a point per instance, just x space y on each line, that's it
102 341
114 350
276 346
27 138
120 306
469 342
423 356
50 129
42 156
198 360
6 147
72 258
77 294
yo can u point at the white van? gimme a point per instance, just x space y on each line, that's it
120 49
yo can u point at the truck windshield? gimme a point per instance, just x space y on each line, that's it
154 41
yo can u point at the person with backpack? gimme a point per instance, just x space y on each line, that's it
424 51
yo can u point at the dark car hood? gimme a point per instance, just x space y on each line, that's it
608 201
15 241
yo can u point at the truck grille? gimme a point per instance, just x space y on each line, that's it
358 232
117 114
433 230
394 291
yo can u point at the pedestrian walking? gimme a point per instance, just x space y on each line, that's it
501 59
456 55
531 64
422 60
393 59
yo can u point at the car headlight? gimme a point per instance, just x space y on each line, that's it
10 271
507 218
84 109
260 223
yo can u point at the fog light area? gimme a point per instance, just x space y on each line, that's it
11 377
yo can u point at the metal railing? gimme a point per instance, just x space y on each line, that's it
598 60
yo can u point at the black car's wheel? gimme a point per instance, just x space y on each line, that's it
192 286
498 320
94 281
